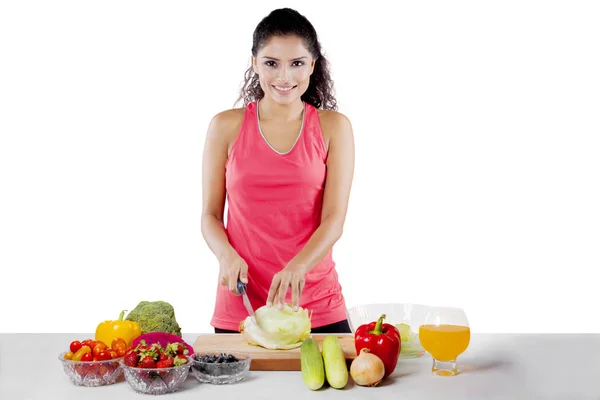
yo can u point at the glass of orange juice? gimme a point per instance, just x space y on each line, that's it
445 335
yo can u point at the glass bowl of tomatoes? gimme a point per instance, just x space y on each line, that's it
91 373
92 363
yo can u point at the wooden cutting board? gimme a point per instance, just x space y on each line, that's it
264 359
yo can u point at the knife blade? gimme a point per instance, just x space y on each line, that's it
241 287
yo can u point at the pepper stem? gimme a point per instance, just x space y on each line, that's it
121 315
377 330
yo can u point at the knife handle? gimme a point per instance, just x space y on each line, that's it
241 287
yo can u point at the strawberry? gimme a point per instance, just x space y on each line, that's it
151 352
147 362
131 359
182 350
156 347
163 357
166 363
171 349
141 346
180 360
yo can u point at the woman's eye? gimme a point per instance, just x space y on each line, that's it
272 63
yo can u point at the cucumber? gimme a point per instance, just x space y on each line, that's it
311 364
336 370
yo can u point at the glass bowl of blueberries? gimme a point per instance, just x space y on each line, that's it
220 368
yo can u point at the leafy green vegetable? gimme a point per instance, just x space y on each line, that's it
272 328
155 316
405 333
411 347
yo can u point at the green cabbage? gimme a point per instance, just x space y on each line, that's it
275 329
411 346
405 333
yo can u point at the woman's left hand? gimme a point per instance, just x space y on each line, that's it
291 276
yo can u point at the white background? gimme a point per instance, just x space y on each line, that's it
477 179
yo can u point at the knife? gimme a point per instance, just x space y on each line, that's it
241 287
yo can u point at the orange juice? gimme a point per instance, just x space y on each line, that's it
444 342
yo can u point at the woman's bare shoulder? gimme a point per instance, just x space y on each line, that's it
227 123
333 117
333 123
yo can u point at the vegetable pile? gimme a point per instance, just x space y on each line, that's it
316 367
93 350
377 348
382 340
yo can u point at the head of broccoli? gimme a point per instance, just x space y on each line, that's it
155 316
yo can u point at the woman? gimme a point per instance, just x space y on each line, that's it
285 164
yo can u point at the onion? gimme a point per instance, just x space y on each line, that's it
367 369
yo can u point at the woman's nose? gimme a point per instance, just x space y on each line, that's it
283 74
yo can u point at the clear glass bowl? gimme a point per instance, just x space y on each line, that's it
221 373
91 373
412 316
156 380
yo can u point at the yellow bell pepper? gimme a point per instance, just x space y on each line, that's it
109 330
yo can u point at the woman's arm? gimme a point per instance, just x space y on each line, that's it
340 173
221 132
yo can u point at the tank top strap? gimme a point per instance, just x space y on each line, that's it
245 139
313 133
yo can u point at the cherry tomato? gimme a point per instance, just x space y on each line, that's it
103 370
98 348
120 346
75 345
115 354
88 342
69 355
104 355
121 353
87 357
117 342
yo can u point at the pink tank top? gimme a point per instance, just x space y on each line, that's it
274 207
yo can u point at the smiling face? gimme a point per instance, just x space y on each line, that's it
284 66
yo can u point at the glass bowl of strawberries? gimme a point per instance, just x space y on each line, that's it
155 369
91 363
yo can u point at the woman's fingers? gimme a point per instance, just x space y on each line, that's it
273 290
244 272
296 293
234 272
283 288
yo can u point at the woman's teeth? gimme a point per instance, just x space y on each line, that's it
284 89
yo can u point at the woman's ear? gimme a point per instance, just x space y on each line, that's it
254 65
312 66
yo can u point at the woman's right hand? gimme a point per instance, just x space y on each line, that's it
232 267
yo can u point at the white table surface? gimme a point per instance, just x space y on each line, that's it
495 366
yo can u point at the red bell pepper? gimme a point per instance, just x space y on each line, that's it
381 339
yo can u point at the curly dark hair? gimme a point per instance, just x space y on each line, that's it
288 22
